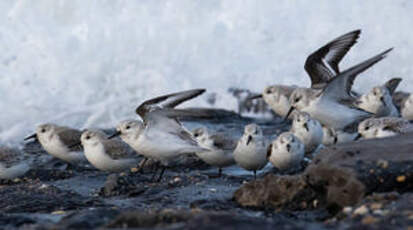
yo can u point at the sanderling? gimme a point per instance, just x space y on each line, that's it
251 150
384 127
331 136
220 148
13 163
160 136
308 130
406 108
379 100
334 105
107 154
322 65
59 141
285 152
276 96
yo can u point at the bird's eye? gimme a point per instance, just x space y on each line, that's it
298 119
127 127
268 91
367 128
43 130
196 135
87 137
297 99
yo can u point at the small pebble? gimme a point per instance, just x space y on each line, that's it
134 170
383 163
369 220
362 210
59 212
375 206
401 179
213 190
347 210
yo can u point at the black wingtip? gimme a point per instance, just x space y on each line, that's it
384 54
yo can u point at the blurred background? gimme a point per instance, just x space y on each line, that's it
90 63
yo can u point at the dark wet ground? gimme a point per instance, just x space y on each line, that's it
188 197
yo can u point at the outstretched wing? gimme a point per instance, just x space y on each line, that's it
167 101
322 65
339 87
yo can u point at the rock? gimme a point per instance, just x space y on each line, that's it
200 220
87 219
275 191
362 210
395 212
39 198
117 184
338 176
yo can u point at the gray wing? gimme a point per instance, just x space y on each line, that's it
322 65
339 88
118 150
392 84
158 120
70 137
222 142
167 101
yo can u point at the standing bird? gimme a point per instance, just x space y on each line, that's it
276 96
380 101
60 141
286 152
308 130
219 149
251 150
160 136
334 105
406 108
107 155
321 66
383 127
331 136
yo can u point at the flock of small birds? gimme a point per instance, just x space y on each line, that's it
327 113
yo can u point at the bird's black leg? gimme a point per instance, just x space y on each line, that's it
160 175
154 173
255 174
219 172
142 164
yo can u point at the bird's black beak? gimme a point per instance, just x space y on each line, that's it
33 136
288 147
358 137
249 139
269 150
306 127
289 112
253 97
382 100
115 135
